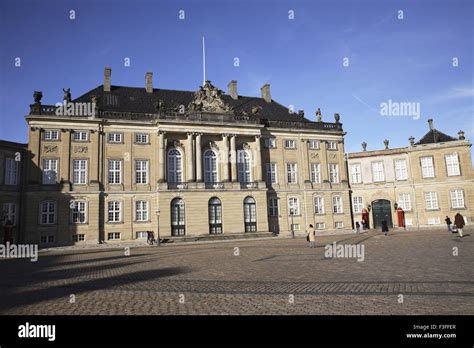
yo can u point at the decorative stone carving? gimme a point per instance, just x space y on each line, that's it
177 144
246 146
364 146
301 113
37 95
208 99
80 149
213 145
318 115
337 117
94 99
50 148
411 140
332 155
386 142
256 110
67 95
315 155
461 135
159 105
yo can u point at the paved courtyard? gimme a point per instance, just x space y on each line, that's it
277 276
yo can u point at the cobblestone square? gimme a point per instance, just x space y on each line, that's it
268 276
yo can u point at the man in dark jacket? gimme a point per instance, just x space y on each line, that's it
459 223
448 222
384 227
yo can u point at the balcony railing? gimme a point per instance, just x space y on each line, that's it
177 186
249 185
214 185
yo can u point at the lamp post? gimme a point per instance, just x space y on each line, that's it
158 226
292 212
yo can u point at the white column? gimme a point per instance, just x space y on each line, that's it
189 158
233 158
198 158
161 156
225 158
258 159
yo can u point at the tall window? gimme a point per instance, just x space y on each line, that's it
114 211
115 172
357 204
356 174
250 215
273 206
318 205
315 173
452 164
11 171
377 172
141 172
175 166
210 166
334 173
141 211
457 199
431 200
9 212
271 173
78 212
401 172
293 206
244 167
404 201
215 216
178 227
337 204
79 172
48 213
291 173
50 171
427 168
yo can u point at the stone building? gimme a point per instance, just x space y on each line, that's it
428 180
120 161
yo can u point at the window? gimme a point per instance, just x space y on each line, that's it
244 167
356 174
141 211
11 171
333 173
80 135
377 172
79 168
46 239
295 227
115 137
48 213
318 205
409 222
175 166
141 172
337 204
434 221
291 173
215 216
114 211
290 144
50 171
457 199
273 206
332 145
357 204
113 236
78 212
78 237
313 144
427 169
9 213
141 234
315 173
401 172
178 225
270 143
404 201
250 215
452 164
51 134
272 173
293 206
141 138
320 226
115 172
210 166
339 224
431 200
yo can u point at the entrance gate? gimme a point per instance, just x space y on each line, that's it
381 210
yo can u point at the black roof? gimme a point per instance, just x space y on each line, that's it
435 136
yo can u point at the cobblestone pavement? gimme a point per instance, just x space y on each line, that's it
278 276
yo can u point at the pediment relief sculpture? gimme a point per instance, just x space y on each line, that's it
208 99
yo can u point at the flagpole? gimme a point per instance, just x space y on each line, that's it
203 62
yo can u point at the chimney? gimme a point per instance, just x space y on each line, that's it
266 93
430 123
149 82
107 73
232 88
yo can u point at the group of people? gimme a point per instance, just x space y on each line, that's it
458 224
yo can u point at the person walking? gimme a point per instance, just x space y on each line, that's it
311 236
357 226
459 223
8 232
384 227
448 222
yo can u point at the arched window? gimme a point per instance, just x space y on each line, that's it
244 165
250 215
178 224
175 166
215 216
210 166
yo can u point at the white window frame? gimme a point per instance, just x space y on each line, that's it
49 214
273 206
313 144
294 203
78 212
175 165
337 207
114 235
427 167
244 166
357 204
356 173
320 225
114 171
270 143
272 173
80 237
141 172
404 201
80 135
292 173
332 145
142 138
431 200
114 210
211 166
333 170
141 211
115 138
79 171
11 171
290 144
315 173
401 171
378 172
50 165
457 199
51 134
318 205
338 224
452 164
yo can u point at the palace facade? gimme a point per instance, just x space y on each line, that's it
178 163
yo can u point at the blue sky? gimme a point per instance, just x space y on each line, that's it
403 60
